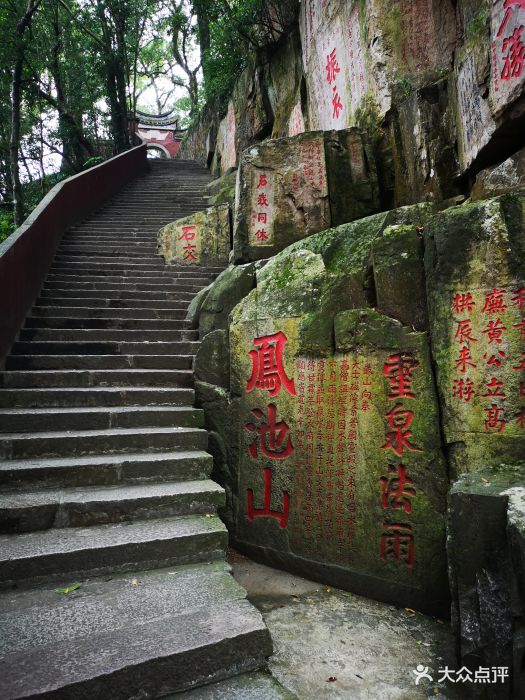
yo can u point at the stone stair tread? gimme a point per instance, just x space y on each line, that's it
117 493
169 653
42 618
92 433
32 546
98 460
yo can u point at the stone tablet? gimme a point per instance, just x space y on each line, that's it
200 239
507 53
340 468
475 284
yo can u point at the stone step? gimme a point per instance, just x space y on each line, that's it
110 441
101 505
128 277
96 378
39 420
118 284
112 260
96 396
111 299
259 685
173 630
99 253
120 290
24 362
104 348
105 312
112 320
100 549
110 470
105 334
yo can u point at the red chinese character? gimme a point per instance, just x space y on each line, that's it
261 235
272 437
336 104
262 181
520 418
463 389
189 252
522 391
494 331
398 369
464 360
521 326
494 389
266 511
495 359
262 201
188 233
515 58
464 332
262 217
507 5
267 370
494 302
397 542
397 491
493 421
463 302
521 365
518 298
399 420
332 67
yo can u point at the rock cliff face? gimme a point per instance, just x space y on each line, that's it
363 356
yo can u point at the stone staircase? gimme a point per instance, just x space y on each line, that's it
104 474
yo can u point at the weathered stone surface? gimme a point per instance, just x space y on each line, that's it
313 427
475 260
195 306
419 135
506 177
399 277
232 285
488 508
283 193
200 239
352 177
212 362
225 149
222 190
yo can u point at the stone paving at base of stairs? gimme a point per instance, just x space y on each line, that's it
333 644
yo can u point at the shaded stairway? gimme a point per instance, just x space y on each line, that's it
104 473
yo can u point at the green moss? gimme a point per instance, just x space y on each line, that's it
368 118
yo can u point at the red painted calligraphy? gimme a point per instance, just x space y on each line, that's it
464 332
399 369
266 511
399 421
464 303
464 360
397 542
518 298
463 389
268 372
271 437
398 489
494 302
494 331
494 389
494 421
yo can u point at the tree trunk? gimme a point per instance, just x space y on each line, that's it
16 100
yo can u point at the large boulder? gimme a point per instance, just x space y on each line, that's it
284 193
475 273
200 239
339 470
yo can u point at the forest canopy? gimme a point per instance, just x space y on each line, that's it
72 72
